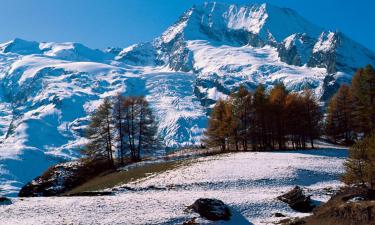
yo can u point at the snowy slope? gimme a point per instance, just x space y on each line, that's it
48 90
238 179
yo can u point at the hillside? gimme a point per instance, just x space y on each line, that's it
248 182
48 90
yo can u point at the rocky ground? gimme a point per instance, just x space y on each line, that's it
351 205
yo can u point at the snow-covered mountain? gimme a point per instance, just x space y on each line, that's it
48 90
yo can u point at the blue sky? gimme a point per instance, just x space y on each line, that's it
119 23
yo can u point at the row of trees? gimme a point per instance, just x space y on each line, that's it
351 111
264 120
125 125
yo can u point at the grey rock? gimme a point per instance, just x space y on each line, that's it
211 209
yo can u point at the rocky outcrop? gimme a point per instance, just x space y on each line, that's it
296 49
211 209
297 200
5 201
330 87
351 205
62 178
140 54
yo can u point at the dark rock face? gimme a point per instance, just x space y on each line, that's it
141 54
62 178
290 56
202 84
5 201
297 50
330 87
297 200
324 60
278 214
211 209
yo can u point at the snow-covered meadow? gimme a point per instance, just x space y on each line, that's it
248 182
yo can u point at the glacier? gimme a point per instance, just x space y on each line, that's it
48 90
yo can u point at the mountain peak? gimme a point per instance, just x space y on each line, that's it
232 23
65 50
20 46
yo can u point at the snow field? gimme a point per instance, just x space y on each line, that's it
248 182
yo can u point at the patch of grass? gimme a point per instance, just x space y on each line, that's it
110 180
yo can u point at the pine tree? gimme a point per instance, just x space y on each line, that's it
100 133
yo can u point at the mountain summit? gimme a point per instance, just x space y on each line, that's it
48 90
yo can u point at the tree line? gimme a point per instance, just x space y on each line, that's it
264 120
123 125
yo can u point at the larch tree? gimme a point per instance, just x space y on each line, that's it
313 116
278 96
292 126
119 113
218 130
360 165
140 126
261 107
147 127
241 110
363 93
339 121
100 133
332 120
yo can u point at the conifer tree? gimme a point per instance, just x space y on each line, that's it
241 104
261 121
333 120
147 127
363 93
100 133
295 127
119 113
339 122
140 126
313 116
218 130
278 114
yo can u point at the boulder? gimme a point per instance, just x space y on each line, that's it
191 222
5 201
211 209
278 215
297 200
350 205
